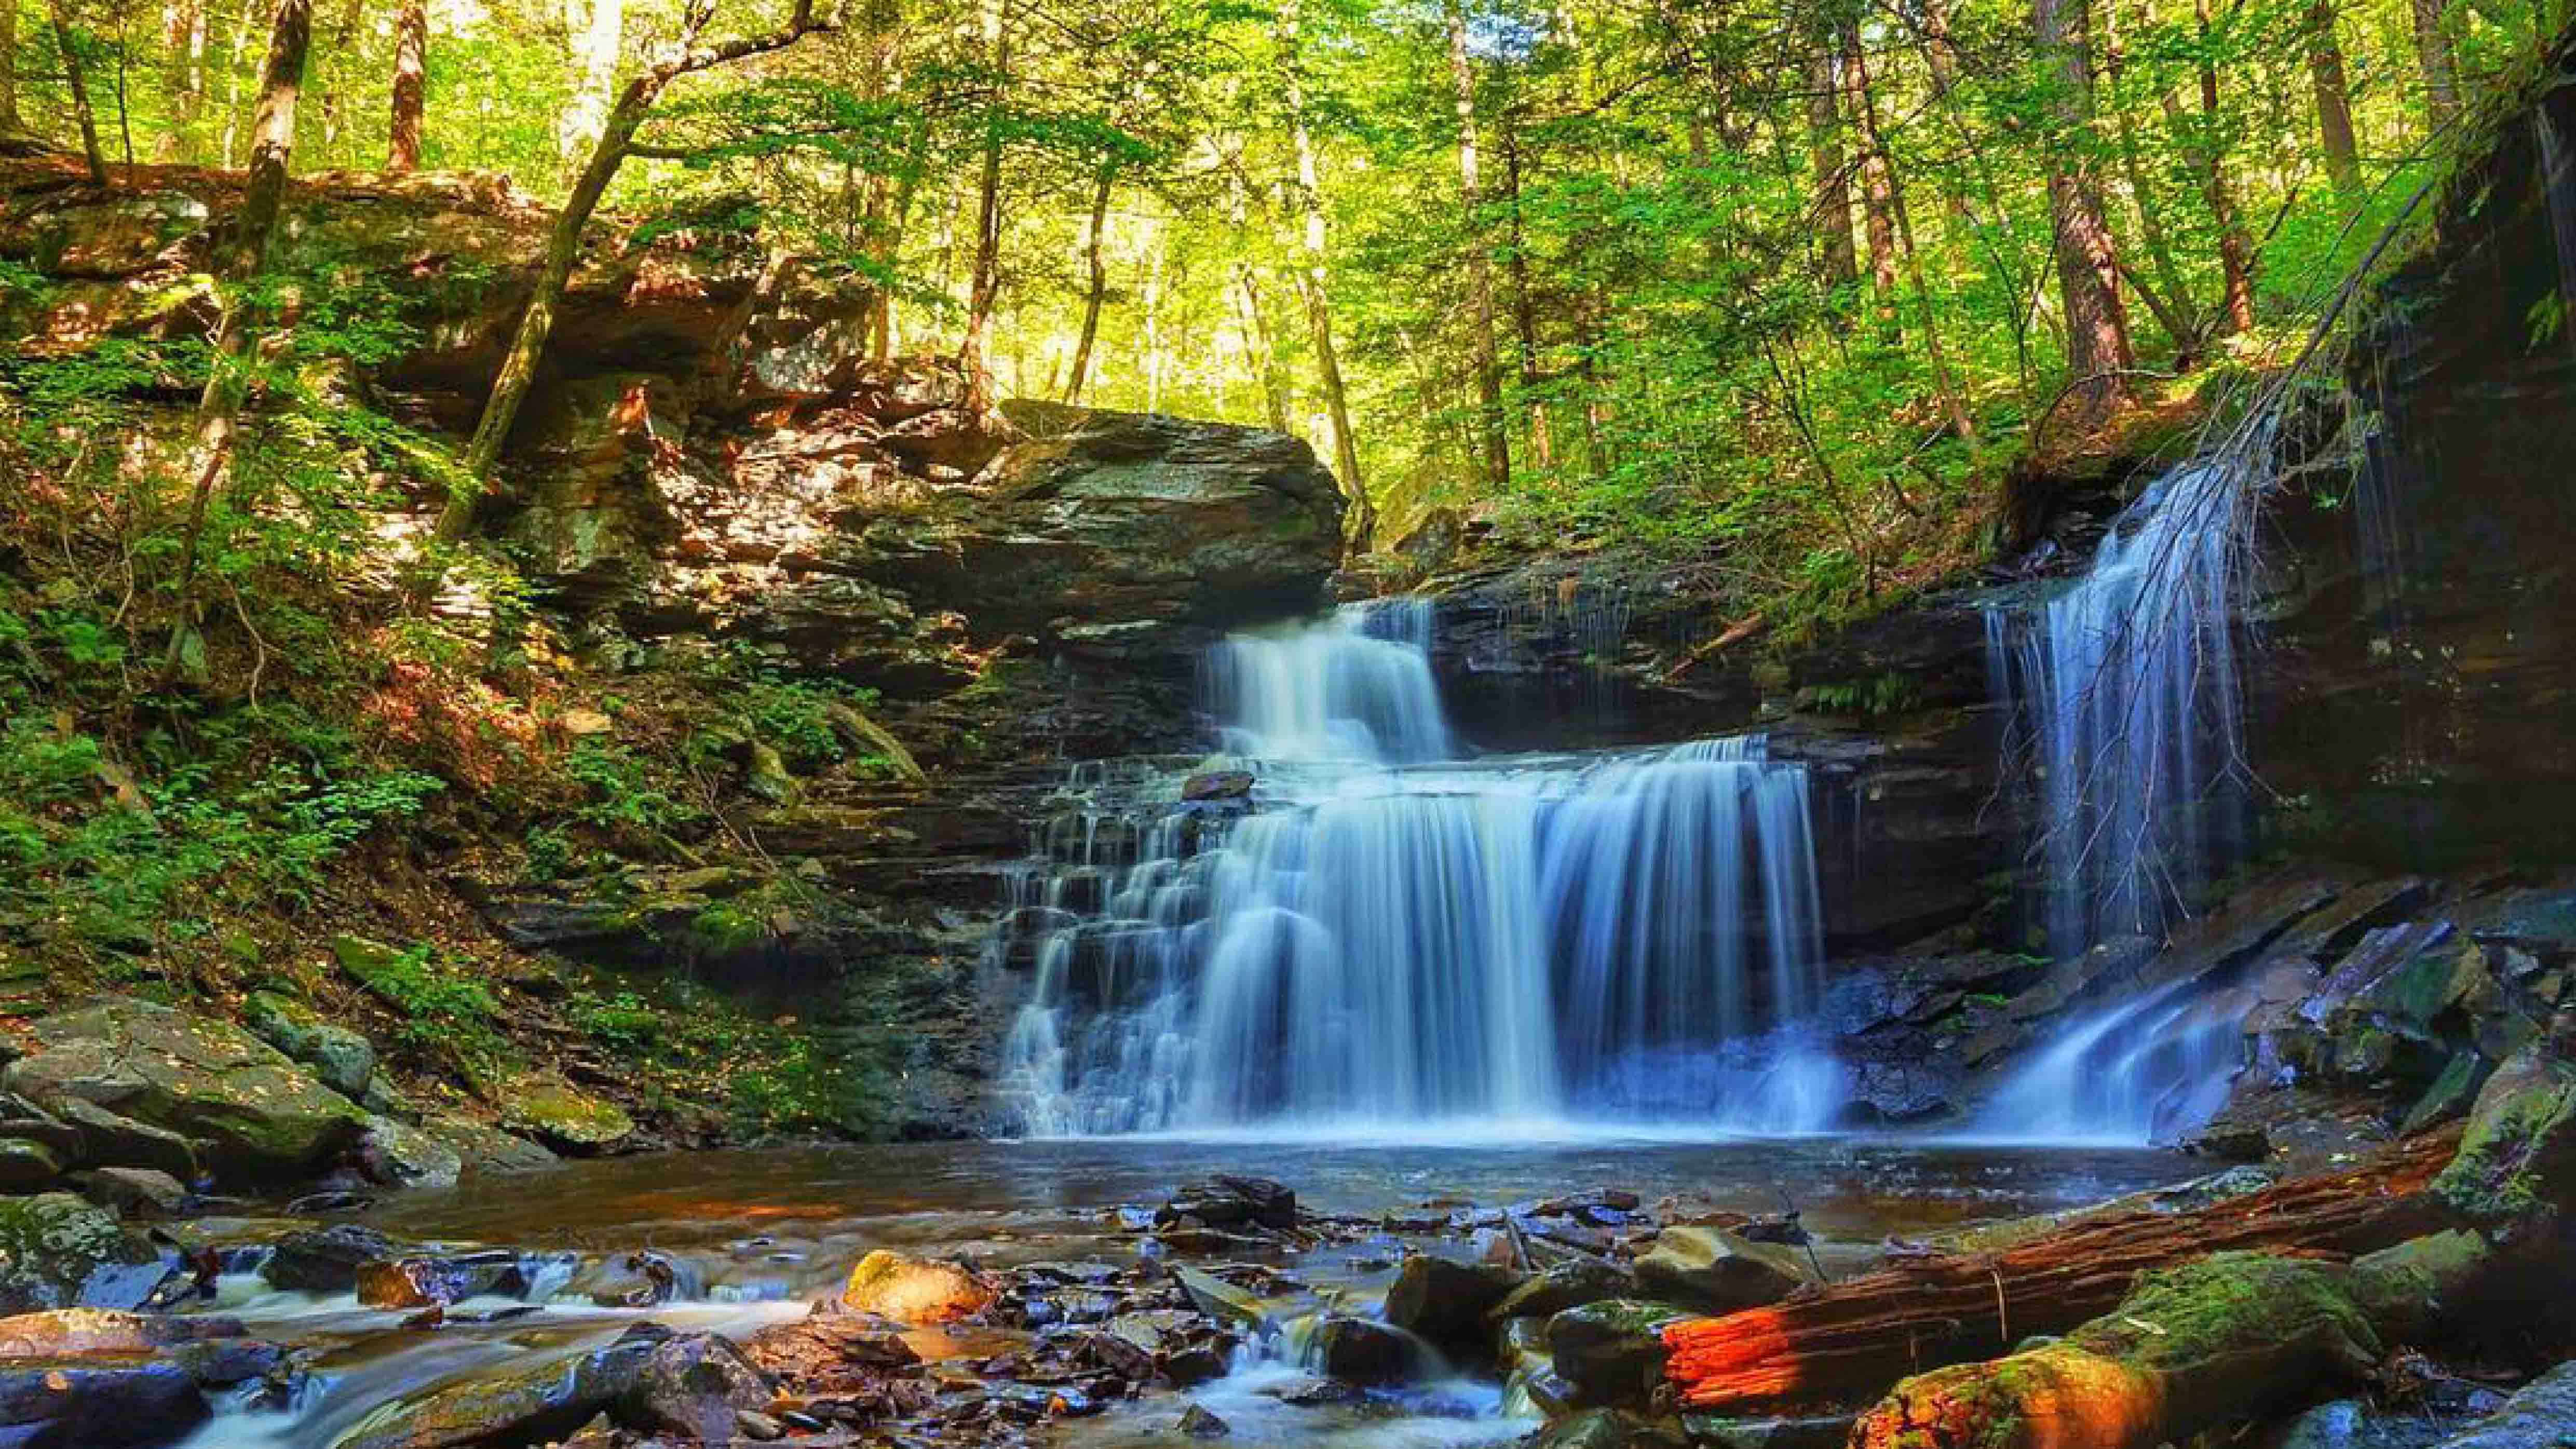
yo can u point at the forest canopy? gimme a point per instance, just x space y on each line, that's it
1781 283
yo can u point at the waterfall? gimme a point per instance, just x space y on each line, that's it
1384 935
2126 708
2125 711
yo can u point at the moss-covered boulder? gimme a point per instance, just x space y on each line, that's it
536 1399
1716 1271
484 1149
344 1059
256 1115
103 1404
567 1119
1613 1351
2515 1173
58 1251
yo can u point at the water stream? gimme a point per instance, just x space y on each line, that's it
1369 932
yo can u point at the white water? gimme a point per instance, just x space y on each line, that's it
1397 940
2128 718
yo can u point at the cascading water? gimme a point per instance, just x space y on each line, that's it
1393 936
2126 713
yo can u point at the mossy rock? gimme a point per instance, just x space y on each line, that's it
342 1058
58 1251
2515 1172
567 1119
481 1149
257 1115
539 1400
26 1166
1613 1351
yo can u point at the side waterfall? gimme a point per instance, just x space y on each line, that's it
2126 716
1382 935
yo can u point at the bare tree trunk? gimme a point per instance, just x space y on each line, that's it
1314 285
2235 248
1492 430
1157 357
76 75
1095 258
1525 306
597 29
1825 159
183 47
688 54
9 65
263 197
1878 213
2088 262
985 286
411 87
1255 313
338 71
2441 71
2170 299
1952 402
2334 98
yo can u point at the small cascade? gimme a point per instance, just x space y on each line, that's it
1385 935
2126 707
2148 1070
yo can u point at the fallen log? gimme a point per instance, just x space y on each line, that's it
1849 1341
2192 1348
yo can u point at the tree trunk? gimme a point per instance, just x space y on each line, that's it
984 287
9 65
1841 260
2224 1339
1525 306
563 242
1877 185
2334 99
411 87
2433 54
1359 525
183 44
1094 256
1857 1335
597 29
1255 314
76 75
338 71
2170 299
2235 248
1952 402
2098 355
1493 431
263 197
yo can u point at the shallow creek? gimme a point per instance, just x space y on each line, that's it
757 1235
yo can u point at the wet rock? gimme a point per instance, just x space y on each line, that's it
343 1059
426 1282
326 1260
1364 1351
2247 1142
78 1404
1567 1285
2450 1097
259 1115
1445 1303
134 1192
1219 1299
2543 1412
915 1290
1229 1201
1606 1429
696 1385
27 1166
480 1149
1612 1351
567 1119
60 1333
1815 1431
397 1154
1218 785
2515 1173
527 1401
831 1352
1198 1423
1717 1271
57 1251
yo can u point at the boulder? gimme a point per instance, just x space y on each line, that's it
57 1251
2515 1175
74 1403
134 1192
342 1058
1612 1351
1229 1201
566 1119
260 1117
398 1154
916 1291
1607 1429
1364 1351
434 1280
1567 1285
2542 1412
480 1149
693 1386
1444 1303
1717 1271
325 1260
110 1140
27 1166
528 1401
